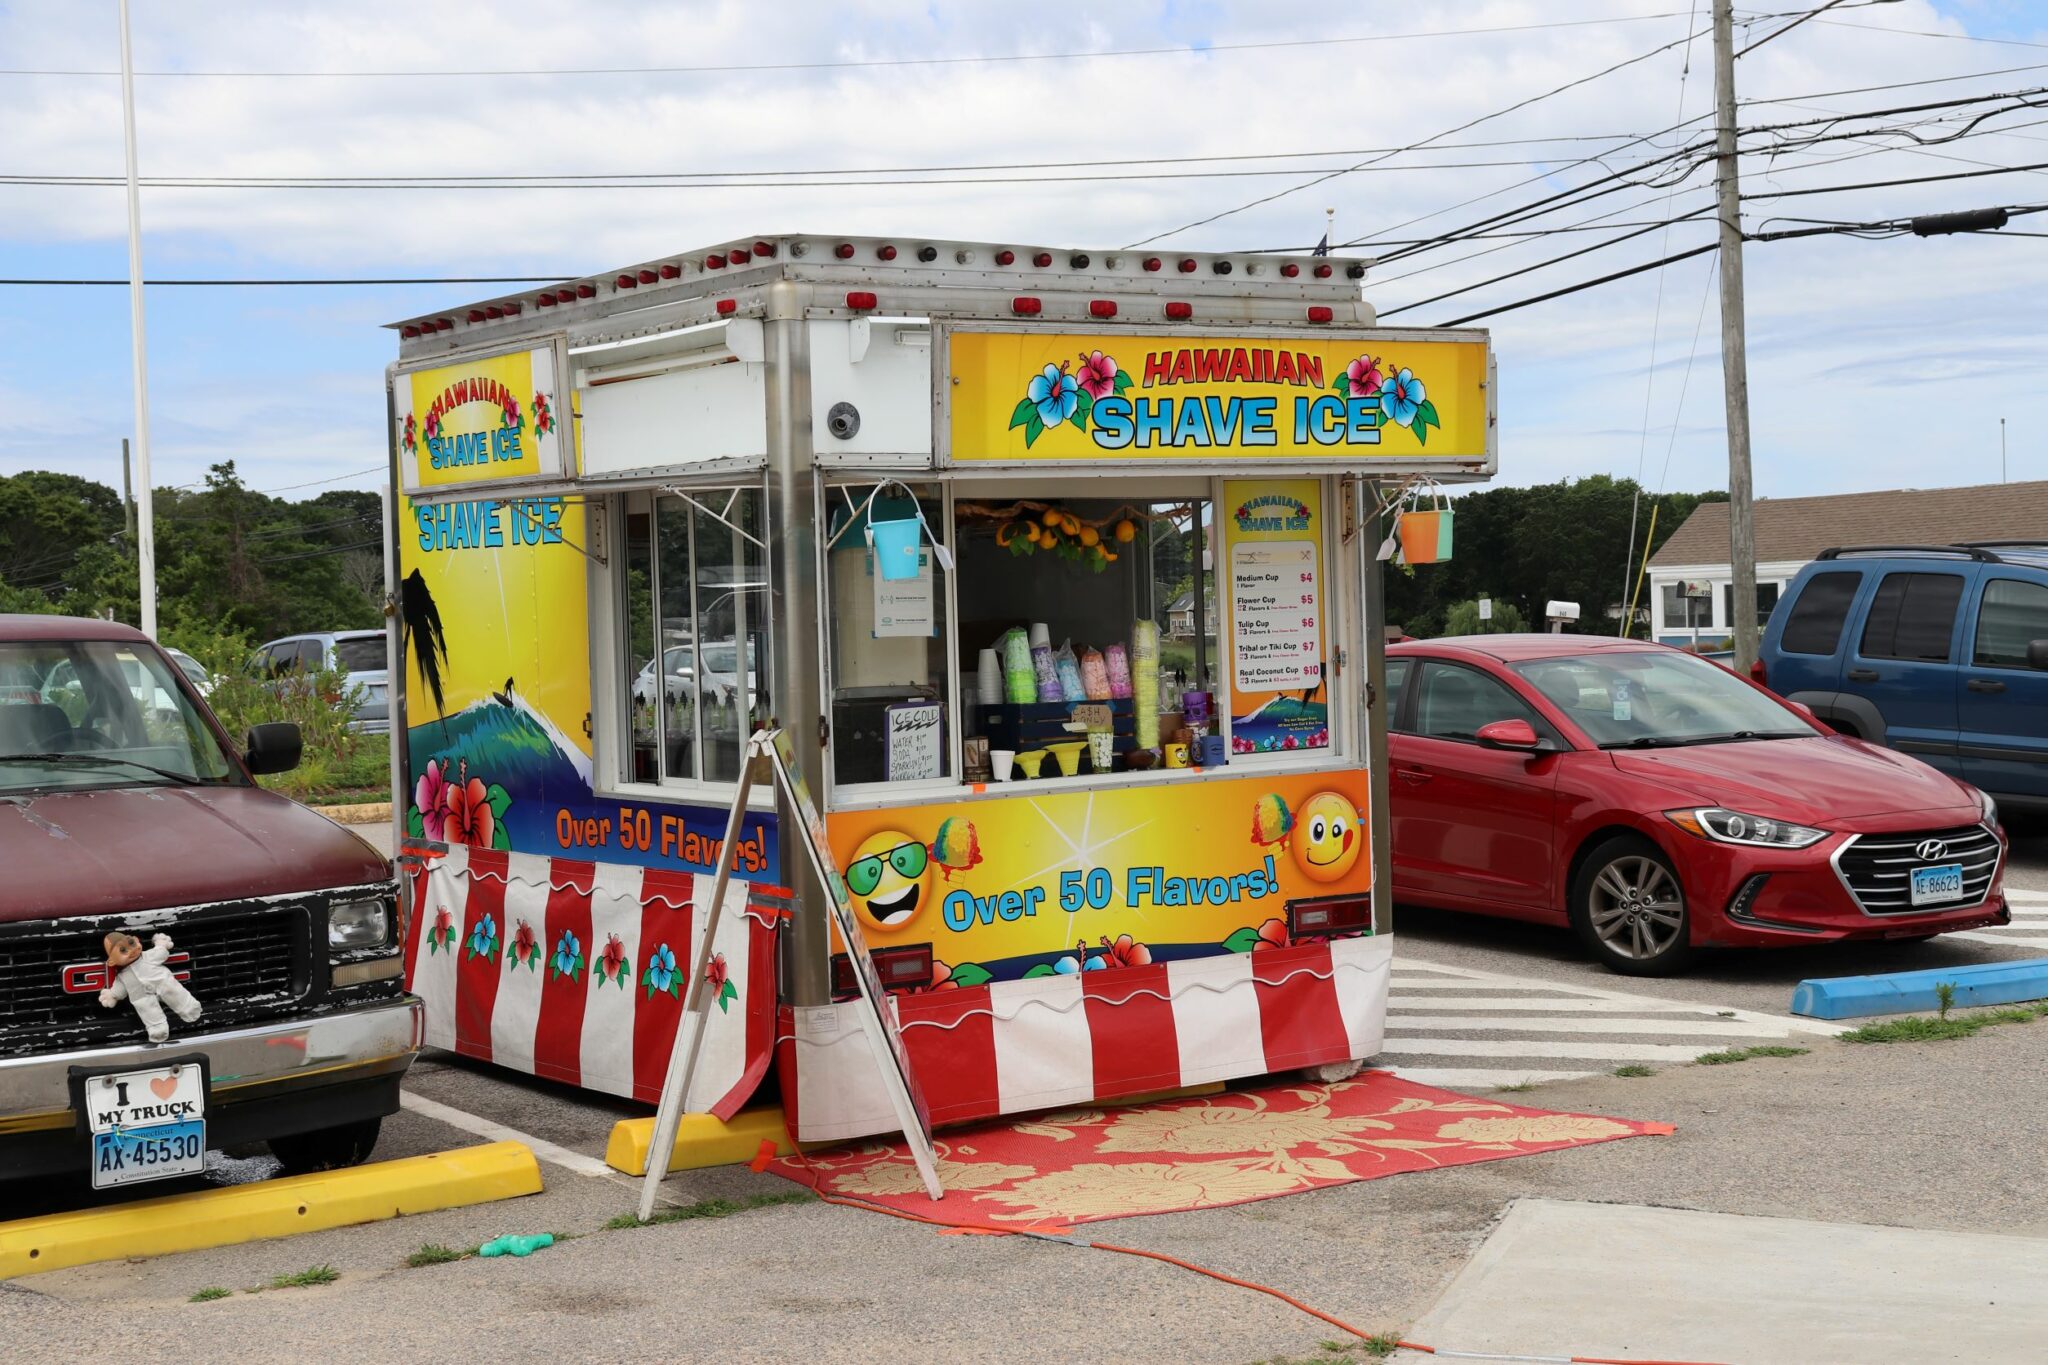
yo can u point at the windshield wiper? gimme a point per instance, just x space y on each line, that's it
102 761
1645 742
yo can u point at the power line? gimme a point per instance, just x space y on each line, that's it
319 554
1473 123
1929 33
1188 50
1888 184
580 176
1544 265
264 283
1588 284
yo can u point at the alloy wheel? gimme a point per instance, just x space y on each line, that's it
1636 907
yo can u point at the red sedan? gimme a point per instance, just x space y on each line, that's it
1657 803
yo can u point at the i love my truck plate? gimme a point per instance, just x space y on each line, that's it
146 1125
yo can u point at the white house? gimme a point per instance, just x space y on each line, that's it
1692 600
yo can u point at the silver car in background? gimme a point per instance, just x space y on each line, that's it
357 654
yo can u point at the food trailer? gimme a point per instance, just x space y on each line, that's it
1058 572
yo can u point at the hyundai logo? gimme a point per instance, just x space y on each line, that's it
1929 850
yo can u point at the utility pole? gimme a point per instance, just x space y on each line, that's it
145 530
1734 360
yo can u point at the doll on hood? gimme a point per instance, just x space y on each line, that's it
140 977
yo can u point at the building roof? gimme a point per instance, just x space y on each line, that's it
1798 529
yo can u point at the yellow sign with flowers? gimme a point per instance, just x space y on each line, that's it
1362 399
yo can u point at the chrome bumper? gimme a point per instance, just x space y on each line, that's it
35 1091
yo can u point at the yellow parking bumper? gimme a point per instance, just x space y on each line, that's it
272 1208
701 1140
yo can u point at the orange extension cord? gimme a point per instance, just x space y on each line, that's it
767 1154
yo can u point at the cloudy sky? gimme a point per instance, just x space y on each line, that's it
1873 363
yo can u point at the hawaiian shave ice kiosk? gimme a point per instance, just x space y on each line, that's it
1058 573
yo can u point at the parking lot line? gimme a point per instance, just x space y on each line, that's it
1464 1029
1684 1028
547 1151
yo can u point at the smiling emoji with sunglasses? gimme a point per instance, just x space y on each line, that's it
889 879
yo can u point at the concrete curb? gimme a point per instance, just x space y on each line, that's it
1983 983
272 1208
369 813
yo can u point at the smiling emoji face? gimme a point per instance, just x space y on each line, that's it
889 879
1327 837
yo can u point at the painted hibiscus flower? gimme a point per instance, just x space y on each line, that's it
433 427
1055 393
525 948
543 415
1273 934
469 819
483 939
1126 952
1401 397
411 439
611 963
1097 376
568 958
441 934
511 411
430 794
662 974
1363 376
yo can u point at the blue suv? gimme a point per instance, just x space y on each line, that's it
1939 651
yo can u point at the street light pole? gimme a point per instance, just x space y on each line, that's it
145 521
1734 360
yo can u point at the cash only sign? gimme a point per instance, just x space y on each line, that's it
1358 399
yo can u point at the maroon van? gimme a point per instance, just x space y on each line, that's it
264 937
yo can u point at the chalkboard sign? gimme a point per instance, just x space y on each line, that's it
914 739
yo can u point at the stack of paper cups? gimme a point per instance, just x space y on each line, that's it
1020 683
1045 680
990 678
1145 682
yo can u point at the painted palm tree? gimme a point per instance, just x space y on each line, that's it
420 620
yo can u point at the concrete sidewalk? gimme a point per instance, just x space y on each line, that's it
1617 1280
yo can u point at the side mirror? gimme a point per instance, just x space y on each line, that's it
2037 654
1509 734
273 748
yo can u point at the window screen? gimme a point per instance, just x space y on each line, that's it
2014 614
1912 617
1766 600
1815 626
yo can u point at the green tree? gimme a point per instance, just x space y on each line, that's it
1463 619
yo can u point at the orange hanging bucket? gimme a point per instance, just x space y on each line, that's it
1426 535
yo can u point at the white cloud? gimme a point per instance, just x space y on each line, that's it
1837 324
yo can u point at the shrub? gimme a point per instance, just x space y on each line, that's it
316 702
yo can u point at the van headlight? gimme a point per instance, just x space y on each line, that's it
1735 827
362 923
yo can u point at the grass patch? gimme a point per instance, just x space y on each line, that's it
1923 1028
711 1208
210 1293
433 1253
1634 1069
304 1279
1743 1054
1378 1346
1517 1088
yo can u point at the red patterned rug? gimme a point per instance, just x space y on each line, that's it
1084 1165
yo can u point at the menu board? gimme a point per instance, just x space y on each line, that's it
1272 532
1276 632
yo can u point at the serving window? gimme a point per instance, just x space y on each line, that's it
695 631
1087 630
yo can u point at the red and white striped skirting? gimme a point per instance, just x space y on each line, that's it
1014 1046
576 971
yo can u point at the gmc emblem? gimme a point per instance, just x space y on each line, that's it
90 978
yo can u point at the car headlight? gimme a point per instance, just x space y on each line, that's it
359 924
1989 807
1735 827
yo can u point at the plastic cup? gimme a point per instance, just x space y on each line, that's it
1001 760
1101 749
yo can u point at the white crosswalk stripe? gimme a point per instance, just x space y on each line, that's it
2029 927
1471 1030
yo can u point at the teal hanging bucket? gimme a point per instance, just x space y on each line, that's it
896 547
